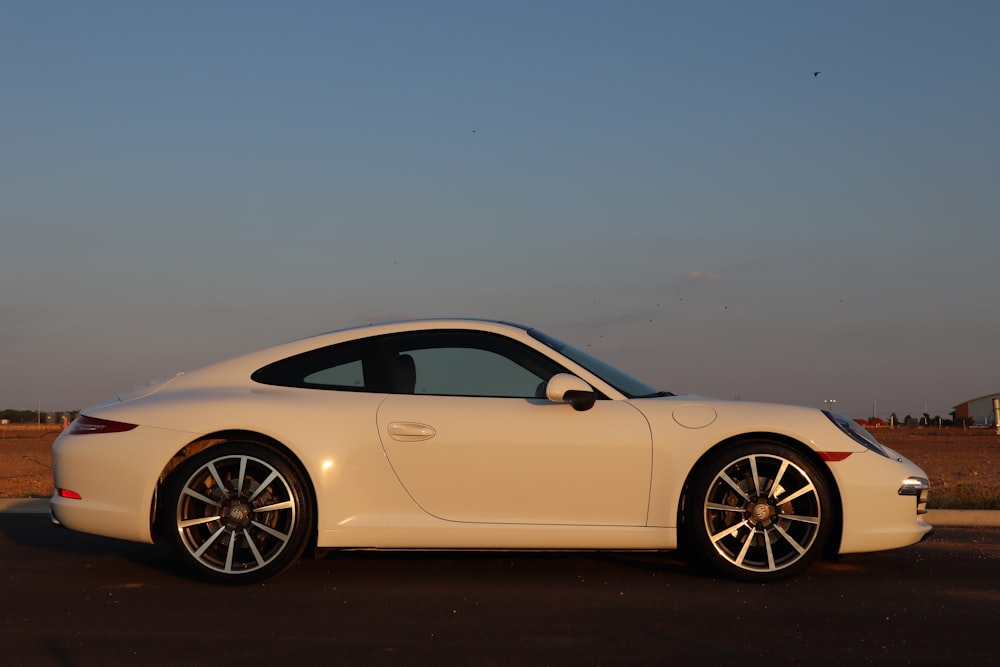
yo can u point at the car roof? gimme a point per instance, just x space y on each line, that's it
238 365
423 322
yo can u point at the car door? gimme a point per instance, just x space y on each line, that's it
471 438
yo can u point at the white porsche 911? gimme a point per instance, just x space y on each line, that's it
471 434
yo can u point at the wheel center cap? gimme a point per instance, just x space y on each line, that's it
238 513
760 512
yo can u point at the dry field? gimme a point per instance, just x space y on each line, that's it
963 465
26 462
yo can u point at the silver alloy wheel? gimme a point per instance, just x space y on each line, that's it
236 514
763 512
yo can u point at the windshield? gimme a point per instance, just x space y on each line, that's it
617 378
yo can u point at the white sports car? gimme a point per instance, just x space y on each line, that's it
471 434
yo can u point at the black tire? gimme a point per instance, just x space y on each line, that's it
758 511
238 513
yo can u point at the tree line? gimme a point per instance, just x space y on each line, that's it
35 417
909 421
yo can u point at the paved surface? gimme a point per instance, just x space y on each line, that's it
73 599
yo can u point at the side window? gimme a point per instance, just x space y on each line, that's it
467 363
349 374
346 367
442 363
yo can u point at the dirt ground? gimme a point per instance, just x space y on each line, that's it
26 463
953 458
950 456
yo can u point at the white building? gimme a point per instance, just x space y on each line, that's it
980 410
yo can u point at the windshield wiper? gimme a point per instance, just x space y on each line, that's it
658 394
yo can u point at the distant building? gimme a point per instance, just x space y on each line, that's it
979 410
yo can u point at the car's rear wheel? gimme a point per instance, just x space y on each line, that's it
238 512
758 511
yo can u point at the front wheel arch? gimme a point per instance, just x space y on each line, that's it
835 513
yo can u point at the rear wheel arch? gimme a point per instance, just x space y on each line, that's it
210 440
237 507
220 437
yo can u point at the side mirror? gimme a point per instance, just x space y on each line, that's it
566 388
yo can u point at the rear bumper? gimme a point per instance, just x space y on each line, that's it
114 477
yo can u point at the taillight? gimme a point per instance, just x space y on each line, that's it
83 425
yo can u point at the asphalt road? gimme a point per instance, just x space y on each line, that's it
73 599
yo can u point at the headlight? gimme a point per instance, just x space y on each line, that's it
857 433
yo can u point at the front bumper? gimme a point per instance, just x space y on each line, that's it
884 502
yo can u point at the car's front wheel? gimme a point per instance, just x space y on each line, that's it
238 512
758 511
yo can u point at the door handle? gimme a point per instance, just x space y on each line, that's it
411 431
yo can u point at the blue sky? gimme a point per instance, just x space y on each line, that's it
665 183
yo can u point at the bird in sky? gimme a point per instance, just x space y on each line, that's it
816 73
